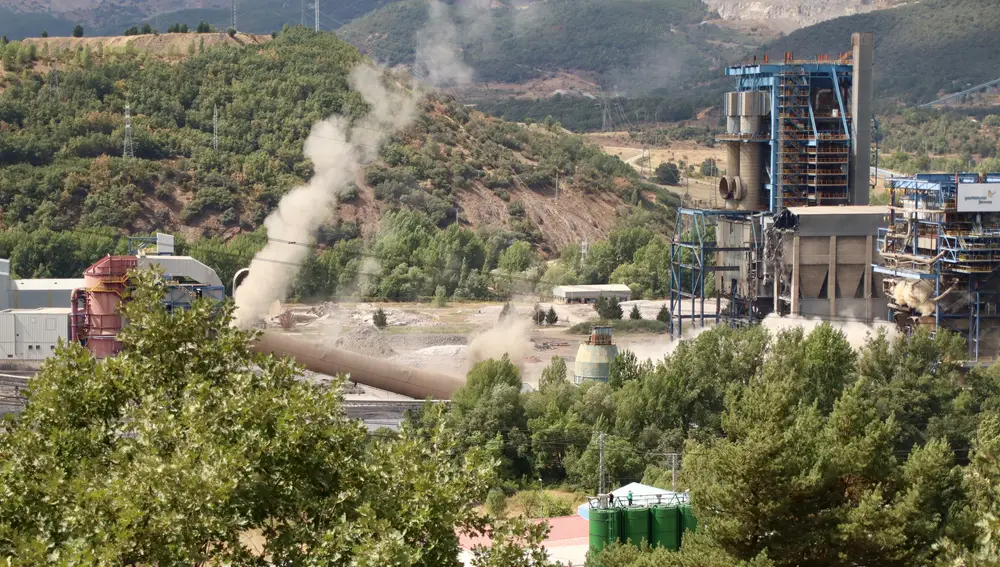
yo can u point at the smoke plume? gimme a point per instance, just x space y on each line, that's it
338 148
438 50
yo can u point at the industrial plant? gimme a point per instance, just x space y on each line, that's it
795 234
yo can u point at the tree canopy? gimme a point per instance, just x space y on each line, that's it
189 449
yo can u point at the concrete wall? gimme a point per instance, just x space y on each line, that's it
832 277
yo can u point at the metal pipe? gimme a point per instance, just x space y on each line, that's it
366 370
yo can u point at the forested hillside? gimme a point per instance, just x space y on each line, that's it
921 49
64 182
110 17
631 44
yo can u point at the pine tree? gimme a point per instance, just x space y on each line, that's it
551 317
664 315
634 314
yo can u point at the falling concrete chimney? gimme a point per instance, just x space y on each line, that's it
861 116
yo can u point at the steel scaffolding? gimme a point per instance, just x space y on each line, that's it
940 265
695 252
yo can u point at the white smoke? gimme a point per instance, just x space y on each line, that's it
438 49
338 149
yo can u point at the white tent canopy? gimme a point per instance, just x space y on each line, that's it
642 495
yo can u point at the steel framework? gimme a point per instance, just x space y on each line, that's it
954 257
695 252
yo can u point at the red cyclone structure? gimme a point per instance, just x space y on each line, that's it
95 321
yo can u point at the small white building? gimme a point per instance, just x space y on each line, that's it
591 293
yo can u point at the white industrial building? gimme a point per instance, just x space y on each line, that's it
591 293
34 315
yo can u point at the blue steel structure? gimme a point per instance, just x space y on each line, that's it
943 260
810 129
691 260
808 164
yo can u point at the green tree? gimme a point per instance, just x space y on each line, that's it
517 258
45 33
146 29
489 411
551 317
78 31
608 309
496 503
190 423
554 373
663 315
626 367
668 173
379 318
634 314
538 316
440 297
204 27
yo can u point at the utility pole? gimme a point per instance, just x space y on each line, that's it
215 127
673 468
600 468
316 6
129 151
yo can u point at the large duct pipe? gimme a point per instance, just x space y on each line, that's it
750 176
733 159
732 104
366 370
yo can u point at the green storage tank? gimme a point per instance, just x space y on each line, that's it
616 525
687 519
636 525
666 527
600 526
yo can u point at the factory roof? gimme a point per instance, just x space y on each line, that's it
66 284
42 311
845 210
599 287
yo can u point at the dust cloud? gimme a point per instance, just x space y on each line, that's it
915 295
856 332
338 148
506 337
438 50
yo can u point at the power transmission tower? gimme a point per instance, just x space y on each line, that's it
316 7
234 14
215 128
302 12
129 151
